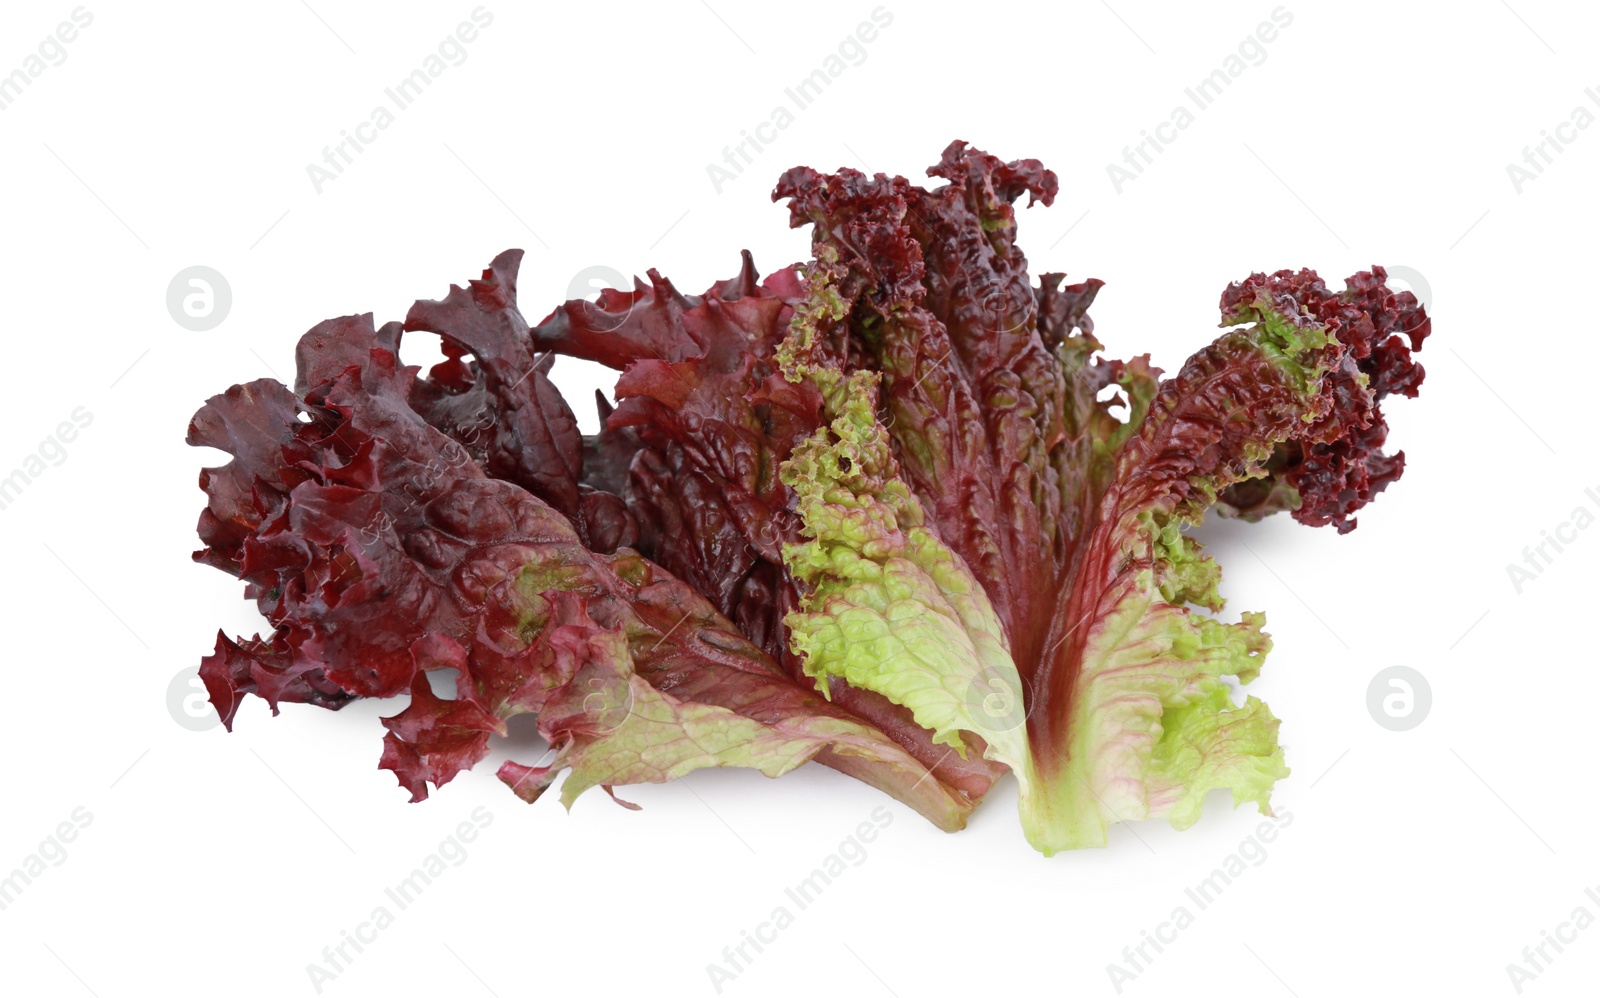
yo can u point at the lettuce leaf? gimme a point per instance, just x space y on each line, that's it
1071 519
707 421
874 510
380 551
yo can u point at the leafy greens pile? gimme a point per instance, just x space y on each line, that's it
875 510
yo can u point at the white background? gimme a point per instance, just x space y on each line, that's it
1419 862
